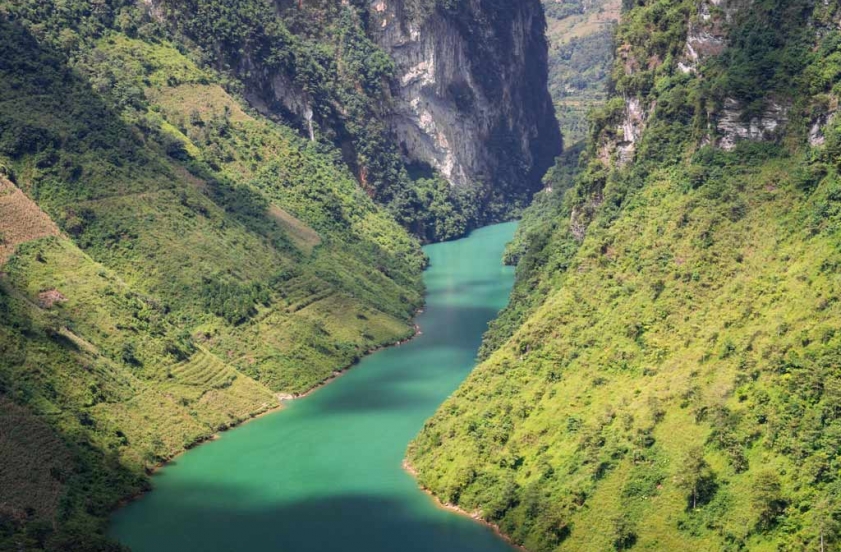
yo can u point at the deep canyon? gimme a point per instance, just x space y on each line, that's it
325 473
211 207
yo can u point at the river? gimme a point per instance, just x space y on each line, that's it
324 473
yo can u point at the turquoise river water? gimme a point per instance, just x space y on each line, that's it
324 473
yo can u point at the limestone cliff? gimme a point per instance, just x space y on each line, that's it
470 90
716 36
440 109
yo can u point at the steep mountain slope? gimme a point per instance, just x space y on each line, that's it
440 110
471 96
580 35
172 264
667 376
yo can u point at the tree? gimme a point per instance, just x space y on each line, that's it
768 499
696 478
825 519
195 118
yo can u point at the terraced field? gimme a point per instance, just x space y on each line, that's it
204 371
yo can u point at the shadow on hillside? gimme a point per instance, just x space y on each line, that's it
52 453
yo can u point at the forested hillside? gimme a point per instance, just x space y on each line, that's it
667 375
171 263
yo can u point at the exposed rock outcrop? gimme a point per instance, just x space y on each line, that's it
707 37
470 94
823 116
707 34
732 126
620 144
632 125
466 96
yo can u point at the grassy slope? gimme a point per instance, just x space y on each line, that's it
206 260
649 344
671 381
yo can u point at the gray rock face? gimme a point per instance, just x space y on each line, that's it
732 126
631 127
620 145
707 36
470 95
817 137
707 33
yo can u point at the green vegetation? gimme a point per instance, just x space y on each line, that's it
322 50
202 260
666 377
539 249
580 54
318 52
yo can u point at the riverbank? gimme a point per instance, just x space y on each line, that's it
475 516
281 397
339 373
325 474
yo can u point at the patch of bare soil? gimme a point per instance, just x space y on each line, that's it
48 298
304 237
21 220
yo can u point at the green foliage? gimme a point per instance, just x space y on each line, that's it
434 210
323 50
650 37
623 350
770 49
542 245
696 478
670 337
233 301
544 209
580 56
767 499
557 10
624 537
210 259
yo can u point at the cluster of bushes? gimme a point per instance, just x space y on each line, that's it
434 210
561 10
232 300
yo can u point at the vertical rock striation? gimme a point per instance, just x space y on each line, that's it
451 89
471 98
